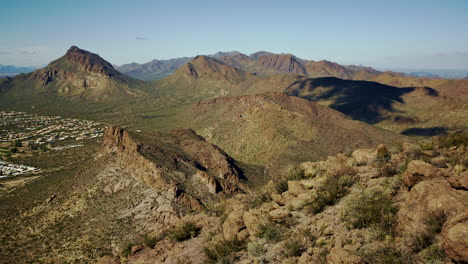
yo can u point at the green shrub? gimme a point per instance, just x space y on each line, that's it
127 250
427 146
222 252
269 232
256 249
257 200
434 255
185 231
295 175
385 255
293 248
456 139
434 223
331 191
421 241
371 209
151 241
383 155
388 170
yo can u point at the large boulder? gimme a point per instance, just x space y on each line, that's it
363 156
426 198
233 224
455 238
417 171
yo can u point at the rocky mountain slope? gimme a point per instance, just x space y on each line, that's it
77 76
153 70
405 205
206 77
134 185
277 129
261 63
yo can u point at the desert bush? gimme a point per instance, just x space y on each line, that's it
151 241
269 232
425 239
293 248
427 146
421 241
222 251
434 255
256 200
332 190
127 249
371 209
383 155
185 231
295 174
455 139
256 249
388 170
458 158
385 255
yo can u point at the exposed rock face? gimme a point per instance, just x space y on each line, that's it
213 69
90 62
170 161
282 63
78 75
454 238
427 197
417 171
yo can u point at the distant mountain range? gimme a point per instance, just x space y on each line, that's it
10 70
267 63
261 63
86 83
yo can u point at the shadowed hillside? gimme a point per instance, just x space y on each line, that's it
361 100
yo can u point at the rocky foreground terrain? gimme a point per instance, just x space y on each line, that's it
404 205
176 198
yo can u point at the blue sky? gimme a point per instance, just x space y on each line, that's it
392 34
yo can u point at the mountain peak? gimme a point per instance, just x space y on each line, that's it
73 49
88 61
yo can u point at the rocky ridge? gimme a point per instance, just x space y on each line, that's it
346 209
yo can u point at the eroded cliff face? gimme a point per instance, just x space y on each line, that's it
181 160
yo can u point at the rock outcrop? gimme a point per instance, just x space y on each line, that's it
180 160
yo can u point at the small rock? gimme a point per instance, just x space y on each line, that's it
440 162
459 182
296 187
135 249
280 214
